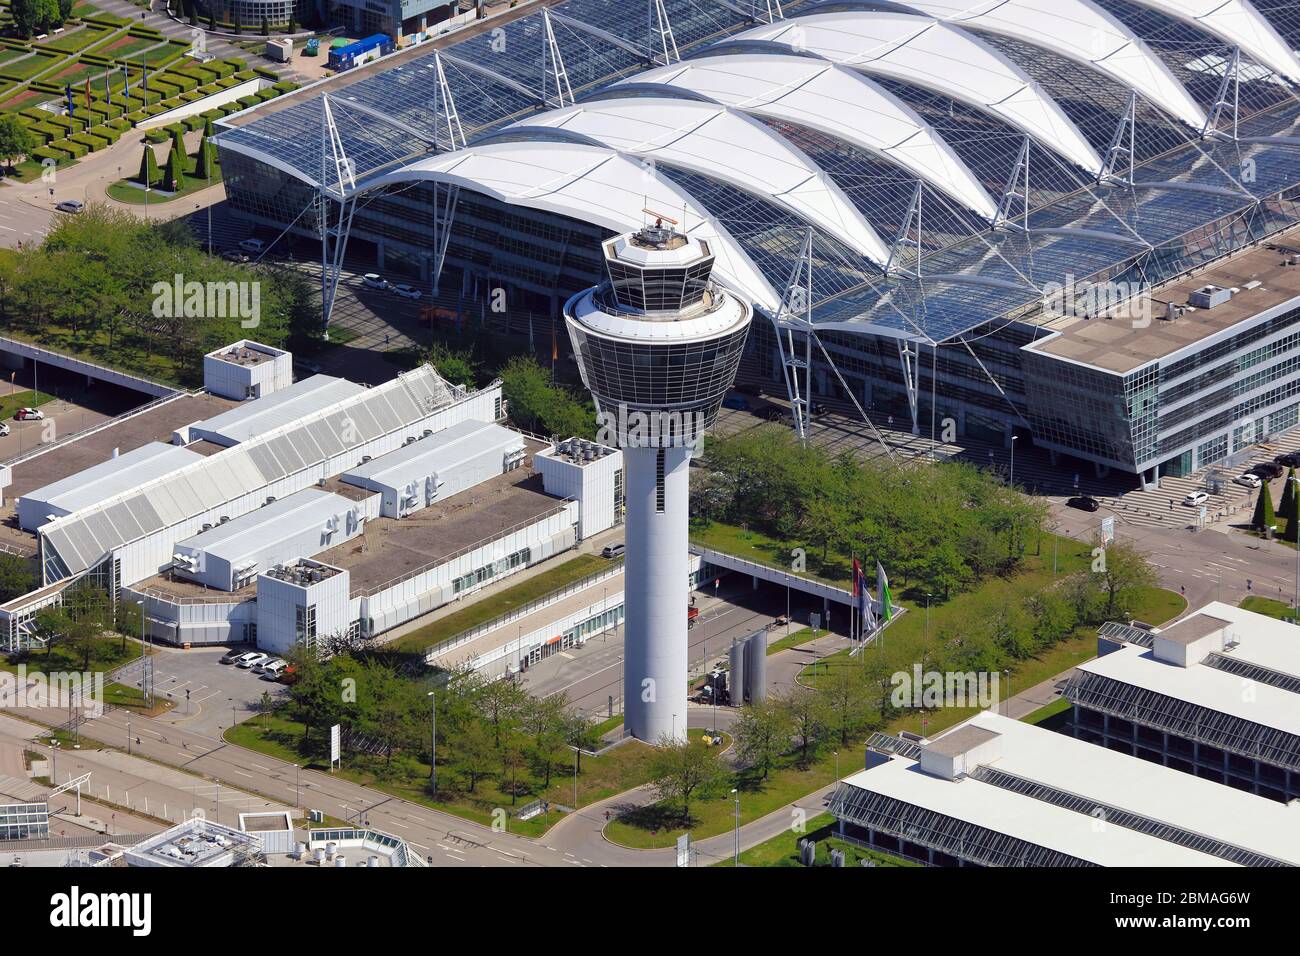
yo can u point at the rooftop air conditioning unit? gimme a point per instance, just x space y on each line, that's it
269 499
224 519
1209 296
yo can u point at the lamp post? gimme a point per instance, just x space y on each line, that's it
927 616
295 786
1294 488
433 743
1013 460
736 796
1006 674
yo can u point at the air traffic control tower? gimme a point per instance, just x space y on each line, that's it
657 344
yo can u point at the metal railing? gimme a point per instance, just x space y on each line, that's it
699 549
546 600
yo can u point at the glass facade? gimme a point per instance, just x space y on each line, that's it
24 821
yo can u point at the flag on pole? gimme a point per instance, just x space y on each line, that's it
864 603
882 593
67 92
144 75
87 92
853 605
108 91
126 81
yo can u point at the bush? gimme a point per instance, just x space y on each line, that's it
71 147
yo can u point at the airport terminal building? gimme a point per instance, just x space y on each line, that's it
1080 234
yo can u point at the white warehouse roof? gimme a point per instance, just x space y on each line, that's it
80 540
241 540
284 407
101 482
1261 641
432 454
1031 755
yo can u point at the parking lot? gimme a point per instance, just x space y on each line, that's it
207 695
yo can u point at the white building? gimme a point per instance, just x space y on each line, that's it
1000 792
1216 694
247 369
285 406
438 465
232 553
197 843
590 472
300 602
100 482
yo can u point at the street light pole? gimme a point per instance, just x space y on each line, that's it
1013 460
433 743
736 795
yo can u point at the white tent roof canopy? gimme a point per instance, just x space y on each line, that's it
1078 30
1239 24
595 185
832 100
721 144
923 52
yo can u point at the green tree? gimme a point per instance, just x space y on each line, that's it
544 722
844 694
65 11
1287 508
474 754
1126 572
581 735
459 368
501 703
34 16
148 175
1263 518
266 27
17 576
762 735
806 711
15 139
681 771
203 162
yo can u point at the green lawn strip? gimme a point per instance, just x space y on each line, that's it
620 769
123 191
759 547
783 850
795 639
106 653
130 351
9 404
1263 605
503 602
1044 716
608 724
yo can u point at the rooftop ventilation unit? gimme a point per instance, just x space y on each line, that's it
1209 297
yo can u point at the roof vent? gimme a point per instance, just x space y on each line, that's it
1209 296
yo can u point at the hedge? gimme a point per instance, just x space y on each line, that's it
71 147
90 141
50 152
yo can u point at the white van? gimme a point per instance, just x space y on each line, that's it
273 669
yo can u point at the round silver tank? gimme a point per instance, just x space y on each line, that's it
319 854
736 679
340 860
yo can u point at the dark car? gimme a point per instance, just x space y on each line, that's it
817 409
1290 460
1084 503
1267 470
736 402
235 255
233 655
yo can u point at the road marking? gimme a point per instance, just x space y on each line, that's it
242 774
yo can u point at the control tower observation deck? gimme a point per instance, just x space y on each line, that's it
657 345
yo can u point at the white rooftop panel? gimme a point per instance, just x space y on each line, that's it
1237 23
103 481
1145 788
593 184
714 141
1024 817
833 100
1263 641
251 533
920 51
1081 31
284 407
439 451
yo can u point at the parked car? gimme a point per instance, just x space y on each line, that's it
1084 503
261 666
29 415
1267 470
612 550
1290 459
817 409
254 247
774 413
273 670
232 655
73 206
4 429
252 657
736 402
407 291
1247 480
235 255
1196 498
374 280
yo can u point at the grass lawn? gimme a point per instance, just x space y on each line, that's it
503 602
765 550
795 639
1262 605
105 653
122 695
1051 716
904 642
28 399
620 769
123 191
783 850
